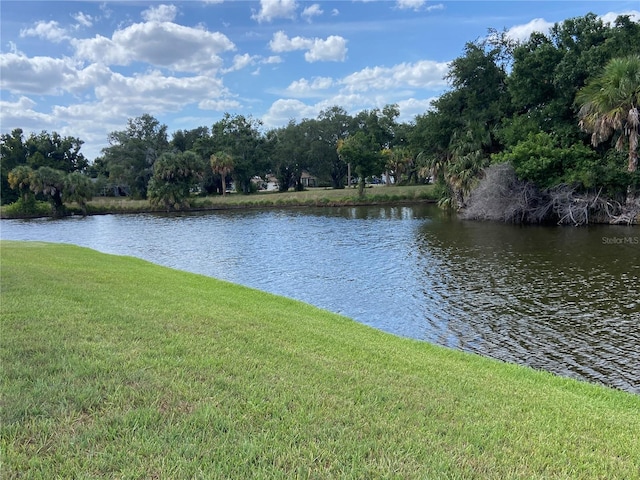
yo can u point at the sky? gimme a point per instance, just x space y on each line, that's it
83 69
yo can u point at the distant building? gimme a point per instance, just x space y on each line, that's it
308 180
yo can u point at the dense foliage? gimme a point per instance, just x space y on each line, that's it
534 105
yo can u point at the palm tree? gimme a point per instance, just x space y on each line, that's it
222 163
609 105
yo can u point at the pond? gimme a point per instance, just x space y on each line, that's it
556 298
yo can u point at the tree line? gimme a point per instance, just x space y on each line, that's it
555 118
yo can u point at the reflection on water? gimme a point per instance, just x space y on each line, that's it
556 298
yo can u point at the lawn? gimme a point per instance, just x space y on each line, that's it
113 367
308 197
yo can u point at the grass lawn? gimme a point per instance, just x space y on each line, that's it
113 367
308 197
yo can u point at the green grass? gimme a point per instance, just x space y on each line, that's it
310 197
116 368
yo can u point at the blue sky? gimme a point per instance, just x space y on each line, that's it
84 68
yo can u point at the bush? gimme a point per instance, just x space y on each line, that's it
26 208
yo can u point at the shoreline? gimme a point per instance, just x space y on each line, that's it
308 198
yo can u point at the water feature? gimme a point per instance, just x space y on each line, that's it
555 298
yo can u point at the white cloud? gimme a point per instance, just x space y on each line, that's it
155 92
311 11
40 75
163 44
410 4
161 13
83 19
438 6
219 105
241 61
610 17
523 32
273 59
335 12
422 74
411 107
282 43
305 88
21 114
333 48
48 30
271 9
283 110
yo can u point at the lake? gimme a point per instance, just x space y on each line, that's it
561 299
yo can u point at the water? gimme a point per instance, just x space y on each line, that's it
555 298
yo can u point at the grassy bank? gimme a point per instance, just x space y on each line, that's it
116 368
308 198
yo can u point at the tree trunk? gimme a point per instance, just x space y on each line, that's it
632 167
361 187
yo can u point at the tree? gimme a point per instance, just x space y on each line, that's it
398 162
331 126
222 164
20 180
55 151
78 188
133 152
183 140
12 154
50 183
240 137
363 153
609 106
174 177
542 160
290 154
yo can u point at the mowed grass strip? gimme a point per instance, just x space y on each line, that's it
113 367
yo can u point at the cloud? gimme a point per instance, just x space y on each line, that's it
417 5
410 4
48 30
83 19
522 33
271 9
219 105
422 74
155 92
21 114
411 107
283 110
273 59
306 88
39 75
282 43
241 61
333 48
161 13
610 17
162 44
311 11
